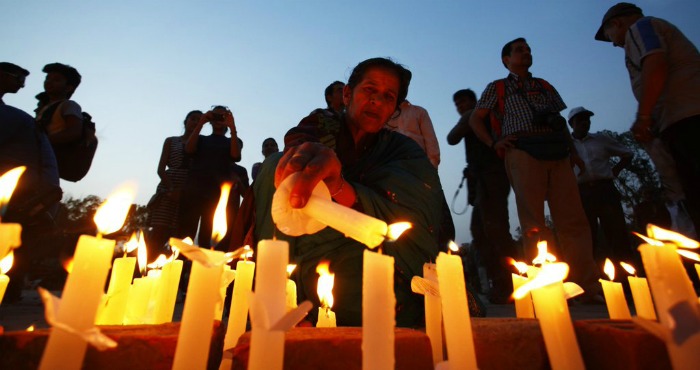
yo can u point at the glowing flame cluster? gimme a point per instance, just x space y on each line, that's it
396 229
8 182
549 274
657 235
112 213
6 263
325 285
220 226
543 256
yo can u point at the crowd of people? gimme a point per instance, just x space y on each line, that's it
378 154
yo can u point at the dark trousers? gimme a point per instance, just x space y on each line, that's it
494 240
681 139
603 207
197 209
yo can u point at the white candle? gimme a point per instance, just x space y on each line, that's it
671 288
169 284
319 212
291 290
378 311
238 312
614 295
523 306
433 315
118 291
140 295
326 318
84 288
196 328
455 312
553 314
267 346
641 295
81 297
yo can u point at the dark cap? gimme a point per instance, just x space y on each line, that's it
616 10
13 68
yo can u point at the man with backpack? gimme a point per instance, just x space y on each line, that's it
538 152
70 130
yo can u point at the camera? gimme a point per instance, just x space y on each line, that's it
217 116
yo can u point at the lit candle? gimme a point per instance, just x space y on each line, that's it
119 285
614 295
5 265
320 211
227 278
455 311
640 294
552 312
142 290
324 288
267 346
84 286
674 298
203 293
238 311
378 311
433 314
523 306
169 284
10 233
291 290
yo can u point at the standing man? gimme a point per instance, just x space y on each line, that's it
664 70
488 189
601 200
334 97
538 155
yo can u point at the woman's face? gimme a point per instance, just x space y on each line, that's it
370 104
191 121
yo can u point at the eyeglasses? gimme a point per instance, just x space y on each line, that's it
220 107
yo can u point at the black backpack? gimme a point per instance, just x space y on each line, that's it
74 158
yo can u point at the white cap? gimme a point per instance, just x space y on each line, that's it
579 110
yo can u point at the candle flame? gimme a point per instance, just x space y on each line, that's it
176 250
543 256
111 214
650 241
520 266
452 246
31 327
629 268
159 262
8 182
688 254
549 274
132 244
325 285
220 227
142 255
6 263
396 229
291 267
680 240
68 264
609 269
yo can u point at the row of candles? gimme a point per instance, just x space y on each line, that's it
443 285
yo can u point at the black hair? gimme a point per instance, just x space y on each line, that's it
269 138
196 111
329 91
508 48
71 74
464 93
404 75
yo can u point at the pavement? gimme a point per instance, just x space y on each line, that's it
29 311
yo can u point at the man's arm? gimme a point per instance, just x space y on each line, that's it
460 130
654 75
477 122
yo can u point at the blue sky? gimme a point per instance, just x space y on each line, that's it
145 64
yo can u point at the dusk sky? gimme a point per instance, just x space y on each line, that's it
145 64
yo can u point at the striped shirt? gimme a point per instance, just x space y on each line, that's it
518 114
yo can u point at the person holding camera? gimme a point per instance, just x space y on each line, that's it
210 166
538 154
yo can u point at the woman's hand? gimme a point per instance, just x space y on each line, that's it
316 162
229 121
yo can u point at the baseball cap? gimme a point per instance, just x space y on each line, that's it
616 10
579 110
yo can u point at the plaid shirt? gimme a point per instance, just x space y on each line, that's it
518 114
